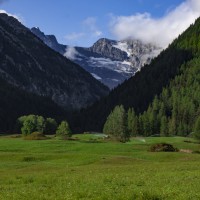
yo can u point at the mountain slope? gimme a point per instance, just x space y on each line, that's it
109 61
27 63
177 108
15 103
139 91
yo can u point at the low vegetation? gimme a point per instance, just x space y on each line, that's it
102 170
35 136
163 147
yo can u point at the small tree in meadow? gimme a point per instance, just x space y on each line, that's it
116 124
63 130
33 123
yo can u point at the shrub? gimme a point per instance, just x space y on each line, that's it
35 136
163 147
63 130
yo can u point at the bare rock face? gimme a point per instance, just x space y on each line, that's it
27 63
109 61
107 49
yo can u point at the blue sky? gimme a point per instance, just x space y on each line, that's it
82 22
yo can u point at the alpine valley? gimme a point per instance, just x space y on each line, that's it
166 90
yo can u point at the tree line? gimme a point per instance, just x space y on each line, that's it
175 112
29 124
121 125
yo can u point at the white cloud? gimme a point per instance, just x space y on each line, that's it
71 53
160 31
90 24
18 17
89 32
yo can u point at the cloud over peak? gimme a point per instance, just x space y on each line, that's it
160 31
19 18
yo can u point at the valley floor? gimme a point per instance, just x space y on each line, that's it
90 168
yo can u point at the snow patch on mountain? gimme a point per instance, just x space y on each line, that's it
118 66
95 76
123 46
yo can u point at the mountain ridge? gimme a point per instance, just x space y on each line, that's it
27 63
109 61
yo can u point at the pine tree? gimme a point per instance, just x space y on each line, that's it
116 124
132 122
172 127
164 126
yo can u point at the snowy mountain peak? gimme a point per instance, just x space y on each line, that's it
109 61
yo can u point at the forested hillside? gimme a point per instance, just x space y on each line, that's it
171 66
177 109
15 103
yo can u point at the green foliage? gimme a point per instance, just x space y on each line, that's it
33 123
50 126
197 129
164 126
176 110
63 130
116 124
132 119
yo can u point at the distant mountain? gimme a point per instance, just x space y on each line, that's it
109 61
28 64
171 82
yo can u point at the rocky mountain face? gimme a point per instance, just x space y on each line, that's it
28 64
109 61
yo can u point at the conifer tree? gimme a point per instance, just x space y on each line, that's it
116 124
164 126
132 122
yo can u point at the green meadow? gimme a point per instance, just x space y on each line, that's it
89 167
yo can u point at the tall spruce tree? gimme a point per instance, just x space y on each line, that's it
132 122
164 126
116 124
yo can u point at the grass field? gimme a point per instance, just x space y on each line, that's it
91 168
